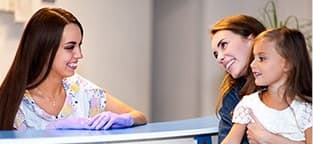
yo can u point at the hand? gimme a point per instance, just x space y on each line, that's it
256 133
69 123
106 120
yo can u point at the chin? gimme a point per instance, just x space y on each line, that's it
258 83
235 75
69 74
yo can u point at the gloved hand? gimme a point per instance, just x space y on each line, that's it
69 123
106 120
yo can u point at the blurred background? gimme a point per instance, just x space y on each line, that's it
154 55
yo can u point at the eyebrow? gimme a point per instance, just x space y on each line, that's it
259 53
71 42
220 42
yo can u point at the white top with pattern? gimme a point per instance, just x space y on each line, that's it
290 122
83 99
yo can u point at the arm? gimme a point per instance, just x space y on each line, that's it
235 135
257 134
308 135
116 106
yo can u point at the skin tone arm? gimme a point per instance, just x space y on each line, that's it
116 106
235 135
257 134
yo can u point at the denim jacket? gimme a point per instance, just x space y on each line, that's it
229 103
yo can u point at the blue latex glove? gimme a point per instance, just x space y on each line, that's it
69 123
106 120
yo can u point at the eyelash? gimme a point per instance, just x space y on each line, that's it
69 47
224 45
261 58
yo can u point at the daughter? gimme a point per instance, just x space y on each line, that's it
282 66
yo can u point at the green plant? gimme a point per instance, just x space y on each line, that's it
270 20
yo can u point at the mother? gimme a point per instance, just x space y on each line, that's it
231 46
232 38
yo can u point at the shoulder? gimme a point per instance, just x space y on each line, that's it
78 81
303 112
300 105
251 97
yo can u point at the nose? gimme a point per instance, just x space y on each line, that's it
78 53
220 58
252 65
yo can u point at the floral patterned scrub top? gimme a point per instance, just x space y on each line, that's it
83 99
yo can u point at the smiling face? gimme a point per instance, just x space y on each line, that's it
268 67
68 53
232 52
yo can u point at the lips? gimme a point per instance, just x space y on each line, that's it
229 64
72 65
256 74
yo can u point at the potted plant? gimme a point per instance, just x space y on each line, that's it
271 20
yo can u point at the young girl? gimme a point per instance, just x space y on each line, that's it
282 66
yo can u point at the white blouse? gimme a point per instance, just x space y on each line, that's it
290 122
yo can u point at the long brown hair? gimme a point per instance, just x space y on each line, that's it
33 59
290 44
244 26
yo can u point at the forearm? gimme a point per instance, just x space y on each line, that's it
275 139
138 117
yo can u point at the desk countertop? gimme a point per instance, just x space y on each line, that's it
157 130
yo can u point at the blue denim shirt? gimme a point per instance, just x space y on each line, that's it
229 103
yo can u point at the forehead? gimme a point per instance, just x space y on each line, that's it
223 34
264 46
71 33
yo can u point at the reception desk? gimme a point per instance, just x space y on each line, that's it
197 130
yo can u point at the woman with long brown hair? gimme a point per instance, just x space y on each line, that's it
41 89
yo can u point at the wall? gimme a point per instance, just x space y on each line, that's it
153 54
176 63
116 46
186 77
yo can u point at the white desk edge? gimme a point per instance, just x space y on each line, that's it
160 130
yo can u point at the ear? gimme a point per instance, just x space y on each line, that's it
286 66
250 39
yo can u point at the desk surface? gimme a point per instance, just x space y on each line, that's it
158 130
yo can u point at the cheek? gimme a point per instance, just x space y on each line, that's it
244 52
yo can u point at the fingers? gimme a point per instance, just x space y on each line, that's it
106 120
100 120
103 122
250 137
108 124
93 119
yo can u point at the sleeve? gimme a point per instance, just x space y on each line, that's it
241 114
306 119
19 121
96 96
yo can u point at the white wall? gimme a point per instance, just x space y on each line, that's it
152 54
176 63
116 46
186 77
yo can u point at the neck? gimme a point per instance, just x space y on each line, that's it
277 94
50 87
